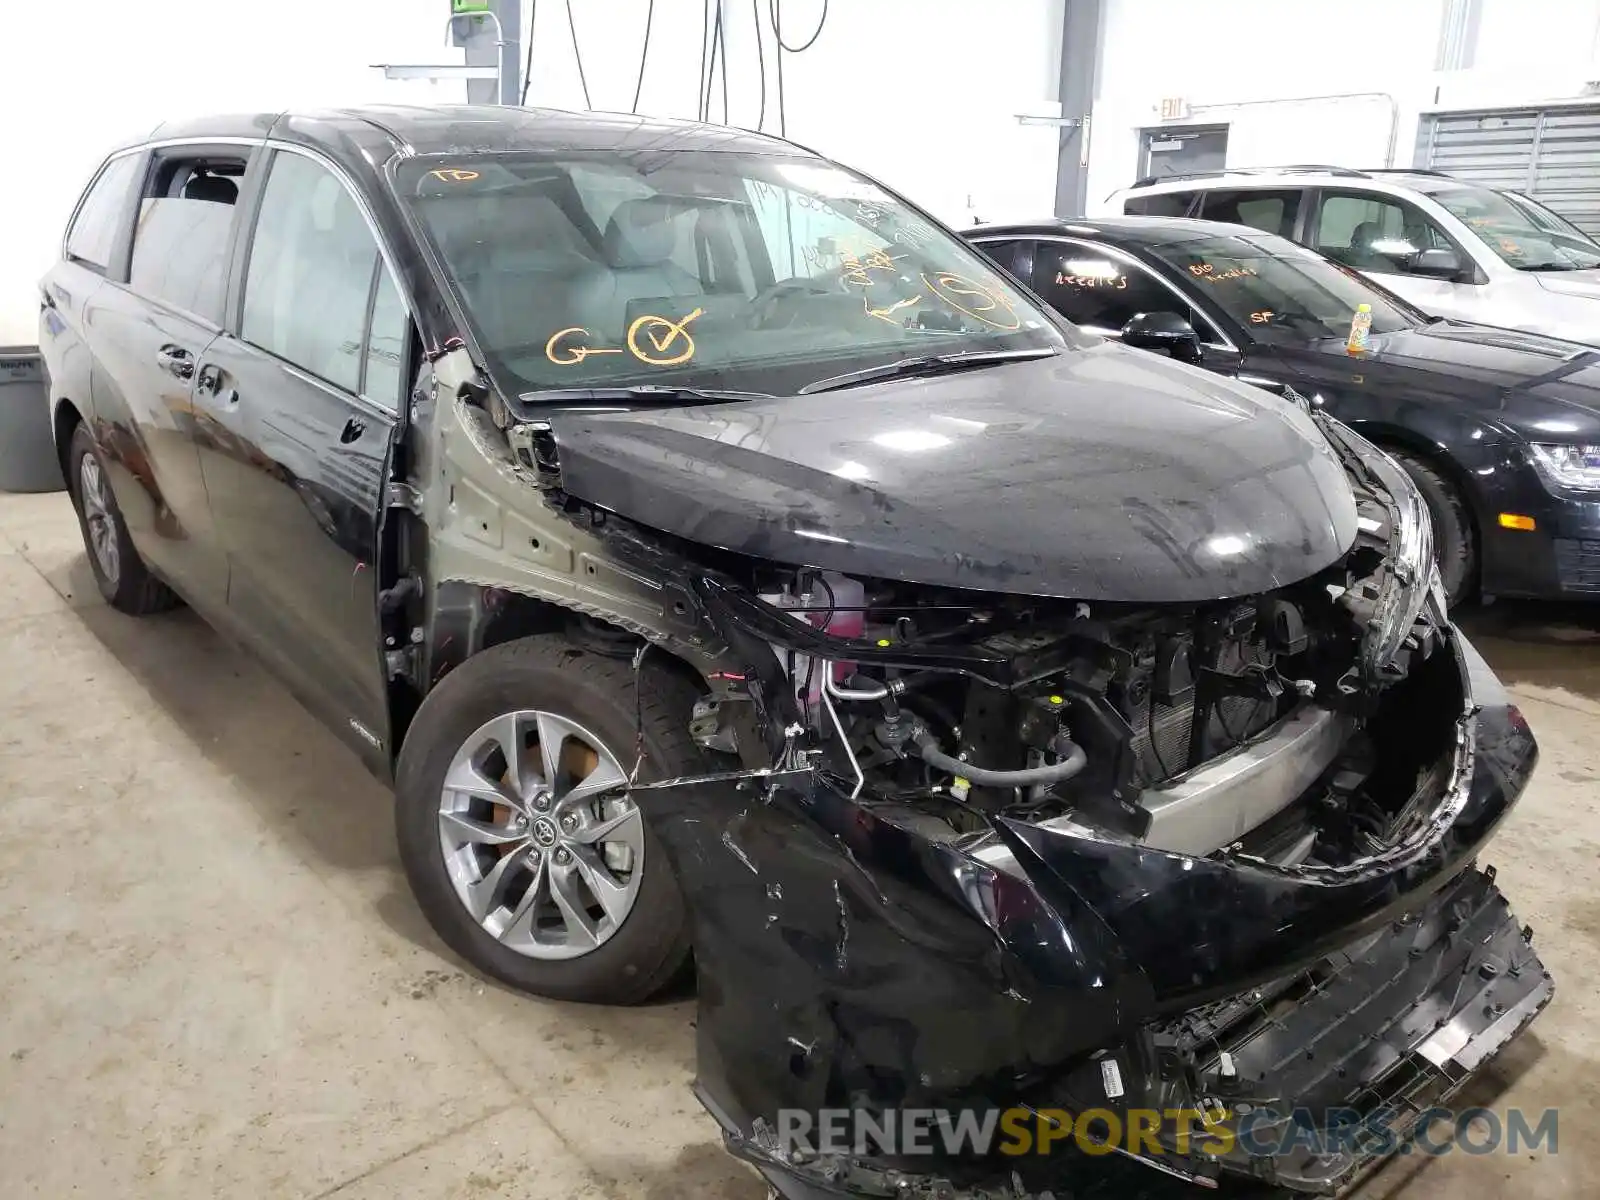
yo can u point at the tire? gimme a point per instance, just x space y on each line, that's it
1453 541
119 572
650 945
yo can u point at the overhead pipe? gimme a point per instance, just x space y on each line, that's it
1394 110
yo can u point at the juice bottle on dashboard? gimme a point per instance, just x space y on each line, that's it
1360 329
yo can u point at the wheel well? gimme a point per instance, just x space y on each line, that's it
67 418
483 617
1419 448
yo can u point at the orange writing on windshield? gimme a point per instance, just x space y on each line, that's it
887 314
1117 282
971 297
660 334
1209 273
653 340
565 353
454 175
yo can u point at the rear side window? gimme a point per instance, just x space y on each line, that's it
1097 290
1166 204
314 278
1268 211
180 245
93 236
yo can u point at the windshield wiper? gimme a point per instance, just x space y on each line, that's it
671 393
1551 266
924 364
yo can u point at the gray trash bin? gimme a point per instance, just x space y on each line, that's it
27 451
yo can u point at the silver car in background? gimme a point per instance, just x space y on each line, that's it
1453 248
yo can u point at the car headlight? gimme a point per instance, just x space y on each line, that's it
1568 466
1412 575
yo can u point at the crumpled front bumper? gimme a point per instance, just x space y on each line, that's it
848 960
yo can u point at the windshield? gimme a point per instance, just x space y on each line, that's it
703 269
1551 221
1511 231
1274 288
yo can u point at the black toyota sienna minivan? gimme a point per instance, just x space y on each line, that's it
727 566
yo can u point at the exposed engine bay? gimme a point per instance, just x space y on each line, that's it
957 708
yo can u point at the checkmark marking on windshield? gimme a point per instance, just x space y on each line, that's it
671 331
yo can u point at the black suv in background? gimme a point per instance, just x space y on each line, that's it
1500 430
724 558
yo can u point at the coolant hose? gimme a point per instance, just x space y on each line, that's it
1074 760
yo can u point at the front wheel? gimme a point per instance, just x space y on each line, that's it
518 839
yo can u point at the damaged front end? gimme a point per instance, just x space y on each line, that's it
999 854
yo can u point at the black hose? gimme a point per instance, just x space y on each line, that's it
928 747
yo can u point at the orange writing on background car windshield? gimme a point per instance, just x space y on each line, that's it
1209 273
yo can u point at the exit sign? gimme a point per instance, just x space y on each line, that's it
1174 108
461 8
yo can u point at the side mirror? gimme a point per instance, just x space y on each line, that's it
1438 263
1162 331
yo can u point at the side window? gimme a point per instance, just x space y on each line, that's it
386 345
314 265
1374 233
1098 290
180 244
1269 211
1166 204
1004 254
91 239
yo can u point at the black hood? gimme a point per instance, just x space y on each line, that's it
1506 360
1101 474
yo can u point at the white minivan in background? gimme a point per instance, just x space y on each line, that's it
1452 248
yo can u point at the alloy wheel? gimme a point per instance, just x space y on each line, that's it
543 847
97 516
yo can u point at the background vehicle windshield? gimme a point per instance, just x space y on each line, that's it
702 268
1271 286
1552 222
1511 231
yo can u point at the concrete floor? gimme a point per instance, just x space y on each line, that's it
214 981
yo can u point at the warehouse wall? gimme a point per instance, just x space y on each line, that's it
1280 75
922 93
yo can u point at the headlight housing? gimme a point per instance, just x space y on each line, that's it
1412 575
1572 466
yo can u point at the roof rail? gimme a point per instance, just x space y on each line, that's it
1409 171
1322 168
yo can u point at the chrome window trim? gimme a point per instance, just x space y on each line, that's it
1126 259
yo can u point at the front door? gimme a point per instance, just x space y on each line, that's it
1381 236
301 400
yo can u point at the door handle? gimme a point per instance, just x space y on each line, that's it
209 383
353 429
175 361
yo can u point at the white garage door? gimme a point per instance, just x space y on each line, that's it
1552 154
